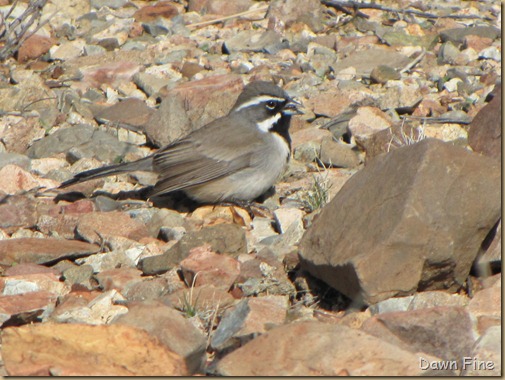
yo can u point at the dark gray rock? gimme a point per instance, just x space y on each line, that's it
79 275
337 154
413 219
383 73
457 35
14 159
81 141
365 60
448 52
230 324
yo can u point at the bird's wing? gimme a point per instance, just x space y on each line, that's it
207 154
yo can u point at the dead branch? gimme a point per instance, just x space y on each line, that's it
341 5
13 34
220 19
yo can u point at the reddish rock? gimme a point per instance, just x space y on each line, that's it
318 349
328 103
42 251
191 105
429 107
29 268
445 332
484 135
119 278
18 211
113 73
163 9
204 267
358 244
83 350
477 43
95 226
14 179
177 333
485 307
63 225
25 308
33 47
265 313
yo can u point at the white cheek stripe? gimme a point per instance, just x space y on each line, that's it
257 100
265 125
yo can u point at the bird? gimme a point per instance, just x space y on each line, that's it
235 158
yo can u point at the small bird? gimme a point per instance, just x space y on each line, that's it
235 158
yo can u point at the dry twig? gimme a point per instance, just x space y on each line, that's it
210 22
13 34
341 5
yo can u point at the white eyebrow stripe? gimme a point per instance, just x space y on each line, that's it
257 100
265 125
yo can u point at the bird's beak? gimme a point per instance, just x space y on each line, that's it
292 107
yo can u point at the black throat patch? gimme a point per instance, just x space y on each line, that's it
281 127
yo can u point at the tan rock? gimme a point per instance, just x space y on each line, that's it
318 349
83 350
367 122
445 332
177 333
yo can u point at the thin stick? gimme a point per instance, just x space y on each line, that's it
204 23
338 4
414 62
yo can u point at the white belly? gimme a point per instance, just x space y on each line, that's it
247 184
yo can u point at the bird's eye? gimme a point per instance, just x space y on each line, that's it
271 104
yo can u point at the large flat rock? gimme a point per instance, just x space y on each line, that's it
319 349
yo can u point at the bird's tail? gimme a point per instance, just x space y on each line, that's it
144 164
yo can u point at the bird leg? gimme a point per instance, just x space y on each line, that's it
252 208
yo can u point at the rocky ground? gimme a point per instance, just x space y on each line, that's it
379 252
